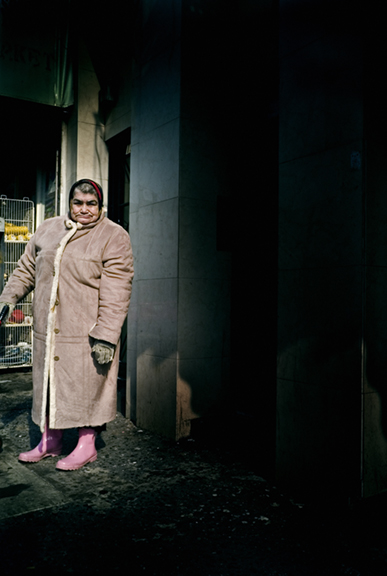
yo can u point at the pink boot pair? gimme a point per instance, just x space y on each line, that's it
51 445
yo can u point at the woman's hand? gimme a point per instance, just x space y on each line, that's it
103 351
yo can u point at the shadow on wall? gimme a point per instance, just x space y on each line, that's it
321 249
319 382
229 387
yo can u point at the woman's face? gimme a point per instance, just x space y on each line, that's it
84 208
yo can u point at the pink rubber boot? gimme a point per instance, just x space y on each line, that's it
49 445
83 453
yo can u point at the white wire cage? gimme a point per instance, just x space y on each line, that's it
16 335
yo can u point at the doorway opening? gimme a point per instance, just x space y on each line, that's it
118 211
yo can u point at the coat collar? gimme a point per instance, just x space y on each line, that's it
71 223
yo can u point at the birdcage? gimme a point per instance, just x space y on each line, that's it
16 335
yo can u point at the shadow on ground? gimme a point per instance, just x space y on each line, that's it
151 506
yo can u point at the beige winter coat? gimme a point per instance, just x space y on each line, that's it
82 275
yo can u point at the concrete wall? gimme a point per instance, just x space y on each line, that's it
179 317
375 317
321 249
154 217
331 396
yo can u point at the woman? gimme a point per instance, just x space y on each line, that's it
81 267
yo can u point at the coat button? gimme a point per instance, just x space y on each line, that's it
56 330
56 358
56 302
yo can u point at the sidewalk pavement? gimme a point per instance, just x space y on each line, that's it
155 507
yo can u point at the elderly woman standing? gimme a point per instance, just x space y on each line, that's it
81 267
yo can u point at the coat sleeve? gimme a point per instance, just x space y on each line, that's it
22 280
115 287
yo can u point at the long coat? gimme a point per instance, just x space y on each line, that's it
82 275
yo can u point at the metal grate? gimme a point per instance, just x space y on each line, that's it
16 335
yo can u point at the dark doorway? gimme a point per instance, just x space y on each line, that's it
29 145
118 211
